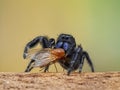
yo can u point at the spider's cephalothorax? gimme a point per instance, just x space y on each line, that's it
74 56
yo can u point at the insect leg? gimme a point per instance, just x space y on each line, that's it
55 67
41 69
46 68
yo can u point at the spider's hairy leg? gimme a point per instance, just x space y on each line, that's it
81 64
30 67
86 55
70 50
51 42
75 60
40 39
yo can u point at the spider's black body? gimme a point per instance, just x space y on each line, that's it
74 55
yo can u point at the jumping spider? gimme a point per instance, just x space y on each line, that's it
74 56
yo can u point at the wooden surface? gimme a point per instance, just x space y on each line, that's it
60 81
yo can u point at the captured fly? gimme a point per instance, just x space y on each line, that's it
44 57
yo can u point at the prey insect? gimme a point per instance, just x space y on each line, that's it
44 57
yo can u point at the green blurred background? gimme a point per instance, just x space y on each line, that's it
94 23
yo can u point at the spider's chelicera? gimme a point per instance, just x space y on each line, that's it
75 55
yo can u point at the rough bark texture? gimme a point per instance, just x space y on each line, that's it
60 81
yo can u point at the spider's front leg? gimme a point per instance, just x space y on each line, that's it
40 39
75 60
29 67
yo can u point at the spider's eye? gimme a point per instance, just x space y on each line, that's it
67 38
63 37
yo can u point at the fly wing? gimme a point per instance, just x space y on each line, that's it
31 53
42 58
